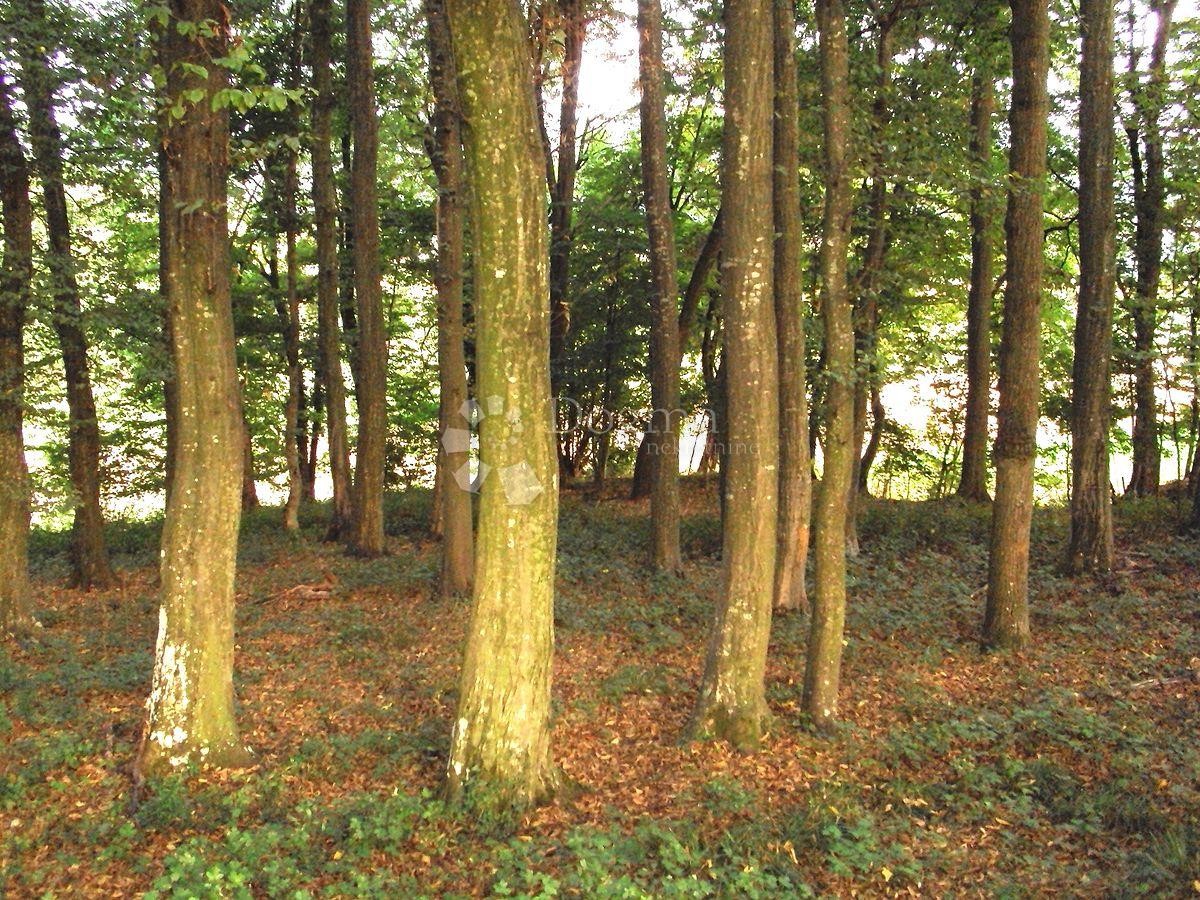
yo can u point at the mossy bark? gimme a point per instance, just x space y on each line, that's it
662 432
500 749
732 702
822 672
453 497
15 276
1090 548
367 538
191 706
795 465
1006 620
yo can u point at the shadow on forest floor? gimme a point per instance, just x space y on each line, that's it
1073 767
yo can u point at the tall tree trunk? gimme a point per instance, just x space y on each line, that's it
249 481
732 703
663 431
562 190
973 483
1090 548
292 446
89 554
191 705
866 309
170 390
15 276
454 448
1149 197
795 465
1006 623
878 421
500 749
367 538
823 664
706 261
347 312
325 210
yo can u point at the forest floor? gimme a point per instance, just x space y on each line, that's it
1073 767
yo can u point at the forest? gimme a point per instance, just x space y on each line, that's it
602 448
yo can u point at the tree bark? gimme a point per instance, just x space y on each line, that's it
1149 197
1090 548
367 539
454 447
16 595
822 670
325 211
662 432
973 483
89 554
249 482
878 421
732 702
1006 622
500 749
795 465
191 705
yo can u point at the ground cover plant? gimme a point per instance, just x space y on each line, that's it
1074 771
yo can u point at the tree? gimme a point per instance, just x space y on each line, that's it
292 443
1091 542
88 550
1006 622
973 483
500 750
191 708
870 276
454 464
17 213
367 538
823 664
1149 197
562 181
325 209
662 431
795 465
732 703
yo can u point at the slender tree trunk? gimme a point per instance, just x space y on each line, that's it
795 465
170 390
822 671
706 261
88 550
1090 548
347 312
732 703
1149 198
500 749
866 310
663 431
973 483
878 421
292 446
249 482
191 705
562 196
15 277
367 538
454 449
1006 623
325 211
